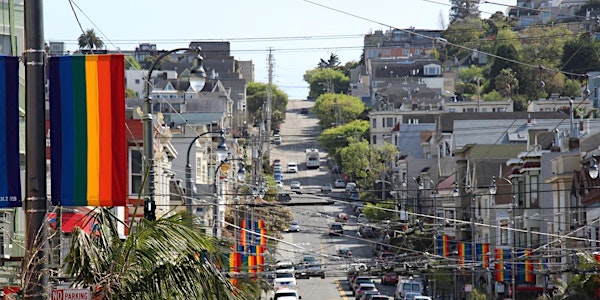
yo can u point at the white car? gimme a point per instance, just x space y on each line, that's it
294 226
292 167
295 185
279 184
339 184
277 168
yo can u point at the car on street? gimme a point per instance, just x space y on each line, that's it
326 188
358 281
304 111
278 177
284 197
307 259
277 162
411 296
350 187
294 226
363 287
311 270
345 252
390 278
354 197
379 297
339 184
279 184
368 294
292 167
277 139
336 229
277 168
295 185
341 217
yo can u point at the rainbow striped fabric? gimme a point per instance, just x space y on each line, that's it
10 180
87 130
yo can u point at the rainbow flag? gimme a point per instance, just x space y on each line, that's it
529 276
445 246
87 130
10 180
499 266
482 254
464 252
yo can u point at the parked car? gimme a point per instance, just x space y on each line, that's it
304 111
295 185
339 184
279 184
277 168
326 188
351 187
368 294
277 139
358 280
294 226
276 162
363 287
278 177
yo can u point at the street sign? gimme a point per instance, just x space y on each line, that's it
71 294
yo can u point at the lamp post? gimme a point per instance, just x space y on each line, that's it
222 154
197 81
188 171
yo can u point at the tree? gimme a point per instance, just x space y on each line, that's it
507 58
131 63
465 32
507 83
463 9
162 259
331 63
89 40
337 109
336 138
354 160
256 97
581 55
323 81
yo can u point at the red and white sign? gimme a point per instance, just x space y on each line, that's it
71 294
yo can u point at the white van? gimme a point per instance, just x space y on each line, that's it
407 285
286 294
292 167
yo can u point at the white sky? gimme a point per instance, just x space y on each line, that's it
299 32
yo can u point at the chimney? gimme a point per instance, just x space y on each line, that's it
573 143
557 144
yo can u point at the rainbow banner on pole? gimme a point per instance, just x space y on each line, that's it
87 130
482 251
10 180
464 252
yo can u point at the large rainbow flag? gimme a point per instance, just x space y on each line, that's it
464 253
87 130
10 180
482 254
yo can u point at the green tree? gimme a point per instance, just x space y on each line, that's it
89 40
330 63
129 93
337 109
492 96
326 80
131 63
581 55
461 9
507 58
354 161
473 80
162 259
507 83
336 138
256 97
572 88
465 32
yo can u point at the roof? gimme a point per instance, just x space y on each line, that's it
446 120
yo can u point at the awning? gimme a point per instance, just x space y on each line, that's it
80 218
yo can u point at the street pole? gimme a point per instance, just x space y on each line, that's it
35 207
189 182
200 76
513 274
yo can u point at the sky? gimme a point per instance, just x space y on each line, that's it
297 33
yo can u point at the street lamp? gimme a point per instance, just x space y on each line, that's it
197 81
188 171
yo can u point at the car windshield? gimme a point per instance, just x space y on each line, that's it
294 223
336 226
284 275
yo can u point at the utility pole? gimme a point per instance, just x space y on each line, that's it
35 206
269 105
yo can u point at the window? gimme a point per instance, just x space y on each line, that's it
137 81
504 234
136 170
390 122
374 140
533 187
374 122
382 122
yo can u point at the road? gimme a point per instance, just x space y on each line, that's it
299 132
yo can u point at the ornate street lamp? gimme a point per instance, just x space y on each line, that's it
197 81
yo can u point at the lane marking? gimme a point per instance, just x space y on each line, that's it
341 289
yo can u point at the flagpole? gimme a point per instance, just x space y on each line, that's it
35 206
